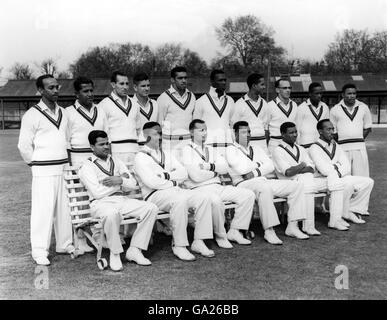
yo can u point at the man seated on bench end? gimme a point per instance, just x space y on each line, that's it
106 178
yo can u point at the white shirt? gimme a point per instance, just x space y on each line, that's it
254 112
175 111
93 171
349 124
278 113
157 171
216 112
286 156
329 158
81 122
306 121
148 113
192 157
243 160
42 139
123 121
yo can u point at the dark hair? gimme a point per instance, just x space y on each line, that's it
239 124
93 135
277 82
39 81
314 85
113 77
193 123
320 124
253 79
140 76
78 82
285 126
348 86
176 70
214 73
150 124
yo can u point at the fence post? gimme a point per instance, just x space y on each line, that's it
2 113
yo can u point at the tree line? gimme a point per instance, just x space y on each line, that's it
249 45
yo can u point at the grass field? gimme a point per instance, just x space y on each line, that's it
296 270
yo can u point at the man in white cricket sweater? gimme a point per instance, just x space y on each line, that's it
159 175
203 170
42 145
250 168
106 179
332 162
122 118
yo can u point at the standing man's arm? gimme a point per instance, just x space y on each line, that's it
162 110
26 137
367 122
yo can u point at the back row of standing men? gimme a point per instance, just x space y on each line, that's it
122 117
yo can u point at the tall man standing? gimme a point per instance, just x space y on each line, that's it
42 145
122 118
253 109
308 114
352 121
281 109
176 106
215 109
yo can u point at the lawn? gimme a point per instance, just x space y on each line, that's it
296 270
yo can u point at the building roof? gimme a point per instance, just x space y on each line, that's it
300 83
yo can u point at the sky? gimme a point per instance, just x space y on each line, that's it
31 31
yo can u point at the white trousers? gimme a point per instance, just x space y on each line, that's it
243 198
357 191
313 185
49 205
359 162
266 189
113 209
177 201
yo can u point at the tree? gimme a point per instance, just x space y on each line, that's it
250 40
48 66
166 57
21 71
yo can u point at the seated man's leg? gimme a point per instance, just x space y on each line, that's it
109 209
203 221
145 213
244 200
360 166
357 193
267 212
176 203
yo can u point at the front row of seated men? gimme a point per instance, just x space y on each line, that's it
169 185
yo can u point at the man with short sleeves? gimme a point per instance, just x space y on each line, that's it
332 162
215 109
42 145
122 119
176 106
352 121
281 109
253 108
106 178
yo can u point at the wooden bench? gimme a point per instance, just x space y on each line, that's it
81 218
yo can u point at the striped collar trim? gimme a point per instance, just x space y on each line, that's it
123 109
86 116
221 111
180 105
296 156
57 122
349 114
